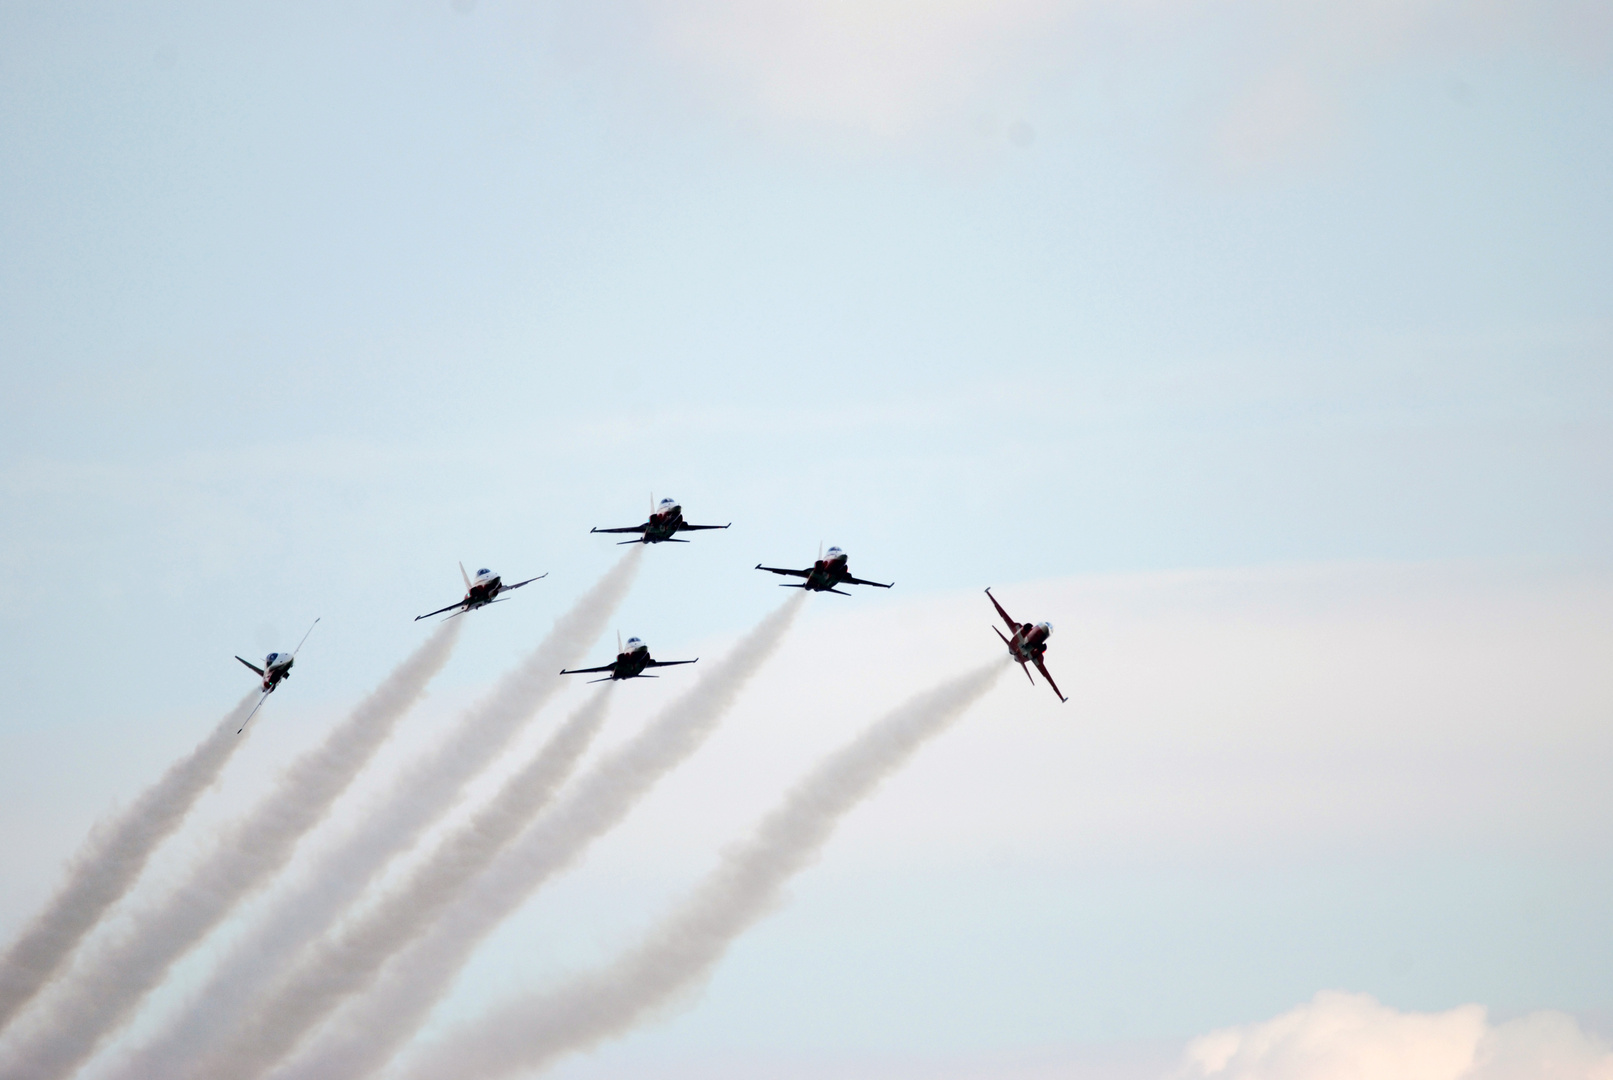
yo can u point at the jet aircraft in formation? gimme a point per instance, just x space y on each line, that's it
1028 644
275 670
479 593
822 576
631 660
664 520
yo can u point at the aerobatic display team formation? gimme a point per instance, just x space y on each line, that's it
337 973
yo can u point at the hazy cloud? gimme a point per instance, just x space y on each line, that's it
1340 1036
892 69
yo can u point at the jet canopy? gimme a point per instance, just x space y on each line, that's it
835 553
633 643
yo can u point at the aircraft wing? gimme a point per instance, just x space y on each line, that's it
1007 618
528 581
254 667
625 529
1043 669
670 663
781 570
587 670
860 581
439 611
696 528
255 708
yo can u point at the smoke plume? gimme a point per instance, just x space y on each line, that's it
362 1039
109 862
531 1032
346 963
339 877
102 994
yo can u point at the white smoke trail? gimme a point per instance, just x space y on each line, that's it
339 877
346 963
102 994
529 1033
110 861
364 1037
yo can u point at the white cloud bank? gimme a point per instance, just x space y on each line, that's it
1340 1036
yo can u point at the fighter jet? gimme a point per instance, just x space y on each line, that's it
631 660
1028 644
479 593
822 576
665 520
275 670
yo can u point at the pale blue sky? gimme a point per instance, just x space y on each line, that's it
303 306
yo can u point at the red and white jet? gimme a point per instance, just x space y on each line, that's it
1028 644
631 660
275 670
664 520
822 576
479 593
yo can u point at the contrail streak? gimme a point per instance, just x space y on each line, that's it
109 862
346 963
362 1039
102 994
339 877
529 1033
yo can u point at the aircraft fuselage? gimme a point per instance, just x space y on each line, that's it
1029 642
483 591
276 669
827 573
662 524
631 663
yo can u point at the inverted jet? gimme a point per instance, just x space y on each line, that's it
1028 644
479 593
275 670
822 576
631 660
665 520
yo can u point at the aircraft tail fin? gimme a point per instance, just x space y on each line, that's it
465 576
